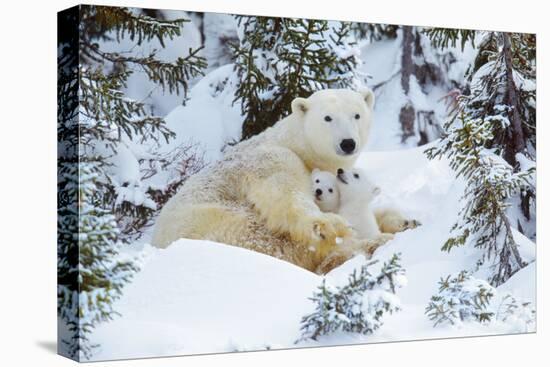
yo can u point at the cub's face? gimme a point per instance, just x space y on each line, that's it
336 123
325 190
354 185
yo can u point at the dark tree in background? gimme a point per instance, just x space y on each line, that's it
279 59
419 61
420 68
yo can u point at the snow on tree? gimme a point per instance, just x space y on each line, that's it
520 314
91 272
107 145
489 140
463 298
279 59
119 130
490 183
357 307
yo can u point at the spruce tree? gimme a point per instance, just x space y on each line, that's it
279 59
357 307
111 123
489 140
461 298
96 122
464 299
91 272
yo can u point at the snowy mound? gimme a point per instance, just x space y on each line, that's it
204 297
199 296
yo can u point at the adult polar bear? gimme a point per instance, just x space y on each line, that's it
259 195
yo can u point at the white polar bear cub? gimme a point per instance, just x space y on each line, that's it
350 196
325 191
357 192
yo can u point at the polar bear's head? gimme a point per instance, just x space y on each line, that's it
354 186
325 192
336 124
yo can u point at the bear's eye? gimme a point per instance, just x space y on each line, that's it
357 116
355 175
330 190
328 118
316 181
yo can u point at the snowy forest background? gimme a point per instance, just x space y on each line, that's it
153 96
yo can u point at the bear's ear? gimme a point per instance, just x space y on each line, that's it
299 106
368 96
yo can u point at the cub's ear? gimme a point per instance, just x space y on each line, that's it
376 190
300 106
315 170
368 96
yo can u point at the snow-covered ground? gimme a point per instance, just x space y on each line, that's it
203 297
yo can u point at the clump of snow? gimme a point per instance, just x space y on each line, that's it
210 118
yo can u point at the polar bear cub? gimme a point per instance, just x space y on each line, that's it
349 194
325 191
357 192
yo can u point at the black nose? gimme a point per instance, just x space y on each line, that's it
318 192
340 171
347 145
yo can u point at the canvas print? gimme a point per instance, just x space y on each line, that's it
238 183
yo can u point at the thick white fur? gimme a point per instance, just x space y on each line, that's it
325 190
352 201
357 192
259 195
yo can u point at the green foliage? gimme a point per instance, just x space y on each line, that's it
374 31
489 141
99 22
110 121
490 183
357 307
91 273
445 37
280 59
96 121
461 298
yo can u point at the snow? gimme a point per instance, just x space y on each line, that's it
204 297
209 118
198 296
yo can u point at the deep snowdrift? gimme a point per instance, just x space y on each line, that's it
204 297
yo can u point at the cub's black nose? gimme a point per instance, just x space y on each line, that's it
340 171
318 192
347 145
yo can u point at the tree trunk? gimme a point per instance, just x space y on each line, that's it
407 65
515 140
407 113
